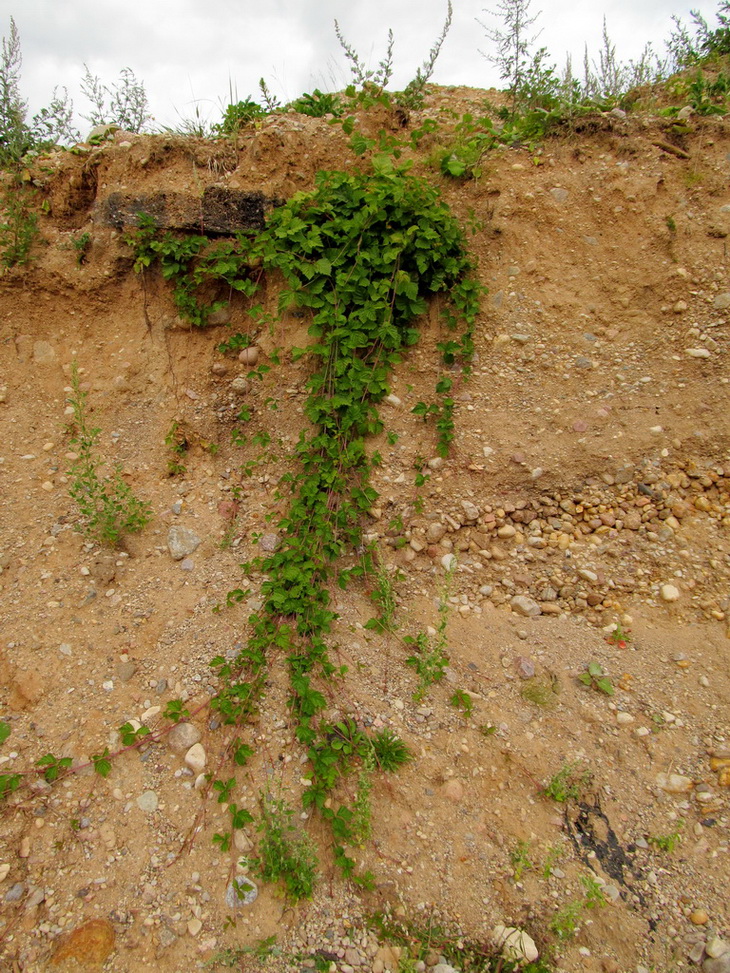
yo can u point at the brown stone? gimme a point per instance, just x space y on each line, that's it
26 690
453 790
87 947
632 520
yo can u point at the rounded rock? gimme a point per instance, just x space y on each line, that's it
148 802
182 737
196 758
669 592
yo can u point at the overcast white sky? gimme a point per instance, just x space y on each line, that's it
188 51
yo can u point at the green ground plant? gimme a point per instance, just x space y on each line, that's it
569 784
595 678
81 245
123 103
520 860
237 116
18 225
462 701
318 104
430 657
372 83
667 842
108 509
420 939
285 853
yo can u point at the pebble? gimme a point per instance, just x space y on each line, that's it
448 561
699 917
525 667
674 783
453 790
719 965
249 356
716 947
147 801
182 737
698 352
523 605
515 944
181 541
4 871
269 542
125 671
239 385
194 926
15 892
623 718
88 946
669 592
195 758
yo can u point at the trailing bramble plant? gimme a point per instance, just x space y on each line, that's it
361 255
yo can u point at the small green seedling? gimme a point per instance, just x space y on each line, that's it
462 701
619 636
520 860
596 678
567 784
667 842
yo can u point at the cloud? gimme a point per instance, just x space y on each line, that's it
192 51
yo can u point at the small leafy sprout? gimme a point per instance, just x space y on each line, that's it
107 506
238 115
619 636
53 766
488 729
4 731
237 342
461 700
176 711
567 784
596 678
223 840
520 860
667 842
102 763
81 245
131 735
8 784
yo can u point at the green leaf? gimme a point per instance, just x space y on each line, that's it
4 731
102 763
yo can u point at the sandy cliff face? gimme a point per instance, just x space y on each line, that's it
588 485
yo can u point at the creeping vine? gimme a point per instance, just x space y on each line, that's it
362 255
